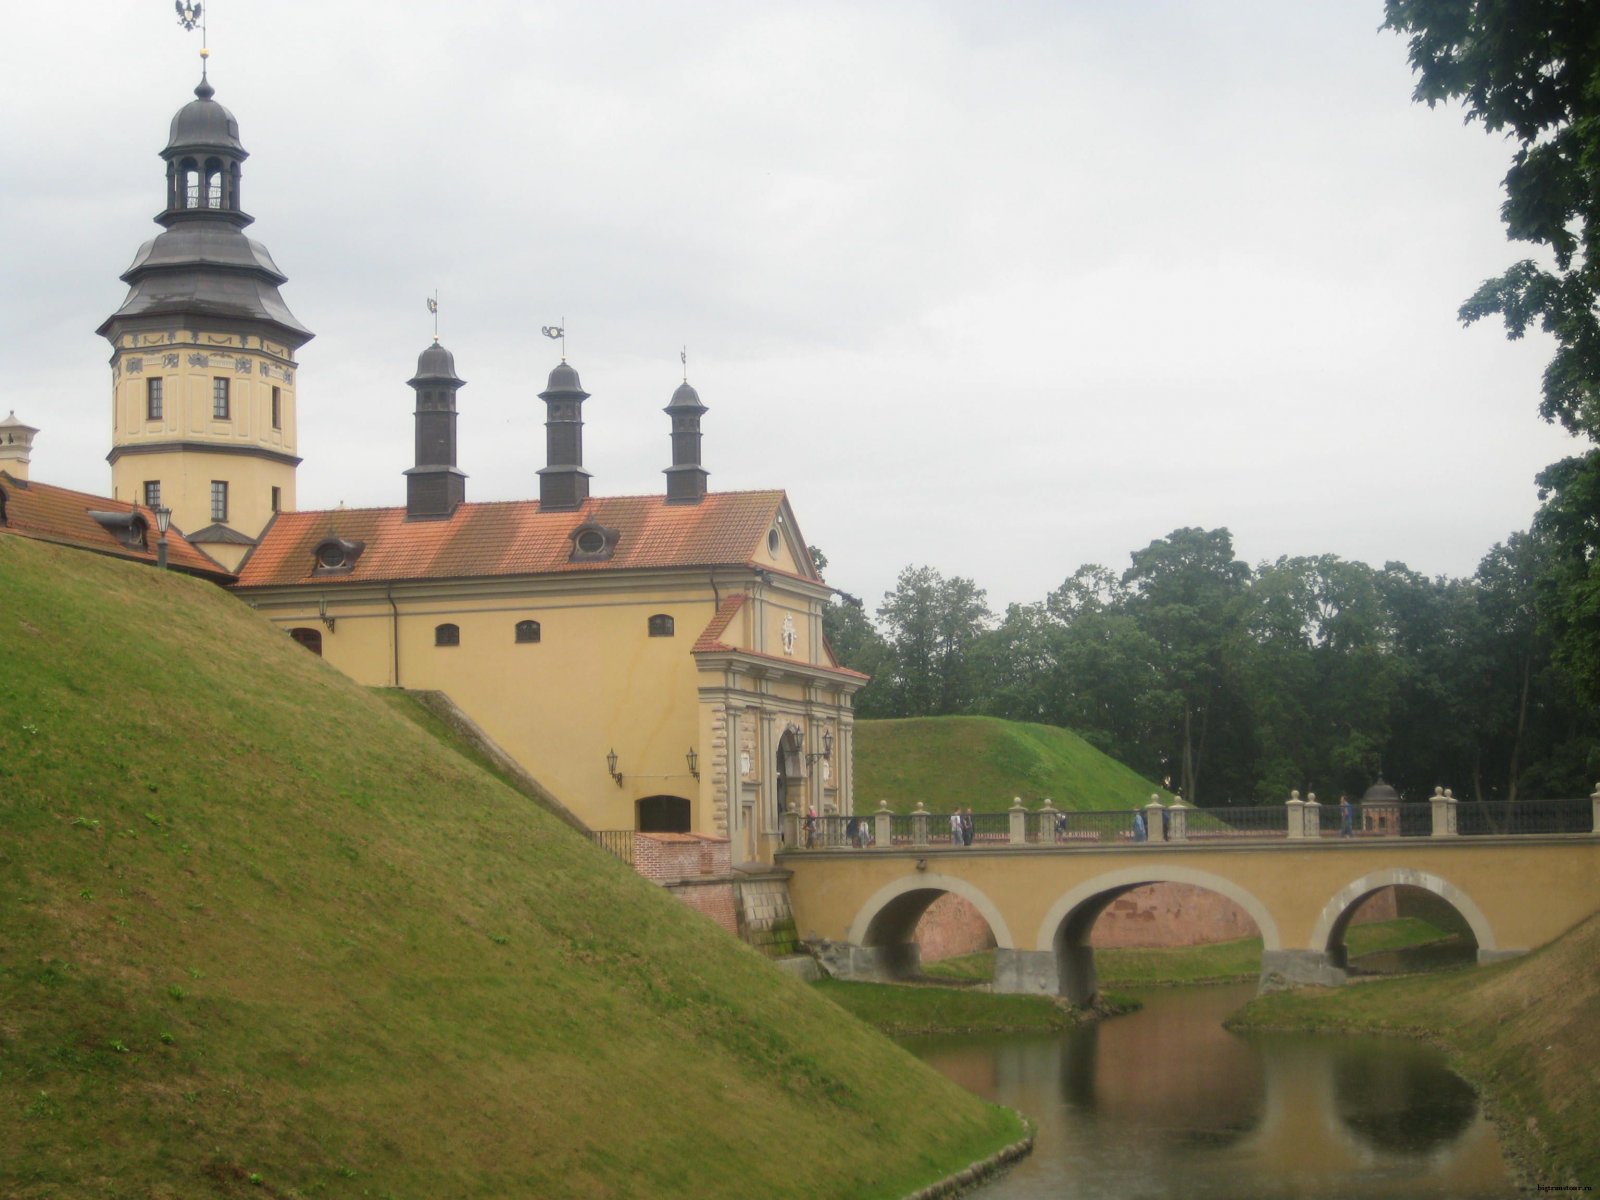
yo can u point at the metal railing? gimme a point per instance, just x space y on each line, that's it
1066 828
617 841
1477 817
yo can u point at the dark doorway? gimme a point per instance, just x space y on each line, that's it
311 639
663 814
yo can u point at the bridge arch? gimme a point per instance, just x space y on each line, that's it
1074 913
884 925
1336 913
1063 934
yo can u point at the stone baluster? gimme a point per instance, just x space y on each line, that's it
1019 822
1295 810
919 825
883 826
1443 803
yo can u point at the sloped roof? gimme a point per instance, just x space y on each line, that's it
514 537
55 514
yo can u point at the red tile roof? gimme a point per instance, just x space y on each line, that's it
711 636
55 514
514 538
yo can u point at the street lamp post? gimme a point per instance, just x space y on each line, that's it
163 523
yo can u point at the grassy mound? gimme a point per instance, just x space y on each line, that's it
983 762
263 936
1527 1032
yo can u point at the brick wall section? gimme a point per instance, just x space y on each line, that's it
671 857
695 868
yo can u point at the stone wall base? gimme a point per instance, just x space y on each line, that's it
765 920
1285 969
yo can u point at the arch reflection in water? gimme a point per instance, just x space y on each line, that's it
1165 1102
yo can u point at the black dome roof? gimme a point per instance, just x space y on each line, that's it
203 124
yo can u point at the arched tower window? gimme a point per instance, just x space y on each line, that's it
661 625
527 631
446 635
189 181
213 196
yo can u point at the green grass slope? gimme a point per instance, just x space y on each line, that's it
1527 1032
261 936
982 762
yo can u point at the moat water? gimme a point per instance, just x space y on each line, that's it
1165 1102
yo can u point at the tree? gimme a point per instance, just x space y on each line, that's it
1530 69
931 624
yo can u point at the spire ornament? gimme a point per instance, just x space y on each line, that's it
557 333
190 15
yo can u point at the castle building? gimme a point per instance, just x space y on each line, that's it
656 662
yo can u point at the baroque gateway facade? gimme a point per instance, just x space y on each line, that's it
655 662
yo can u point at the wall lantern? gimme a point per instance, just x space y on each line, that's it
611 765
693 760
163 523
826 754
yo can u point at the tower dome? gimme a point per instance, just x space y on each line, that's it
203 124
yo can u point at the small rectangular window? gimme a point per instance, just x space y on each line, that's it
277 412
277 499
219 500
152 493
447 635
220 408
661 625
152 399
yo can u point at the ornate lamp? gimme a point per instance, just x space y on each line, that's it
611 765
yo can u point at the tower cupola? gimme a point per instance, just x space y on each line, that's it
686 478
16 446
435 486
563 483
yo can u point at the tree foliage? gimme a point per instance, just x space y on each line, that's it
1530 69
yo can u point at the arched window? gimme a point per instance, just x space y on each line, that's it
527 631
311 639
661 625
213 197
447 635
189 178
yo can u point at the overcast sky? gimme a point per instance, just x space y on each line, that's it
1001 288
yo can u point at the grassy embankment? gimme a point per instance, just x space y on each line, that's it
1525 1032
259 936
1219 962
983 762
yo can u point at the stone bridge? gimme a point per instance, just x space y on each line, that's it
1041 900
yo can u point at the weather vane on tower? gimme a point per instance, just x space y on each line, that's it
433 307
557 332
190 15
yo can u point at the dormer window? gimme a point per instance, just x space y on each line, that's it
592 542
129 528
336 555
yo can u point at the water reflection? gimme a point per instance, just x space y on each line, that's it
1167 1103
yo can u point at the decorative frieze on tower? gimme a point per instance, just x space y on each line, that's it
563 483
435 486
686 478
203 352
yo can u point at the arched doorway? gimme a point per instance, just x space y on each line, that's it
662 814
311 639
786 774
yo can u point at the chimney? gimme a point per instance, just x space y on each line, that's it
686 478
434 487
16 446
563 483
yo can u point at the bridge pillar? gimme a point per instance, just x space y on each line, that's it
1285 969
1019 822
1155 827
1180 821
919 826
1443 804
1028 972
1295 810
883 826
1311 816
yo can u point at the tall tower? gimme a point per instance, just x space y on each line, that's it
435 485
202 352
